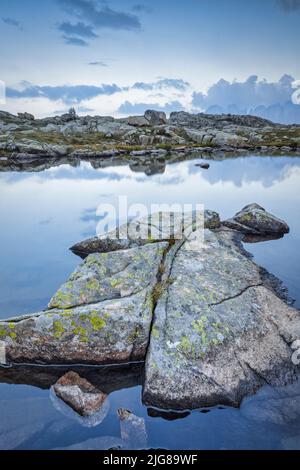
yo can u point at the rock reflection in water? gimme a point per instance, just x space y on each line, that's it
107 379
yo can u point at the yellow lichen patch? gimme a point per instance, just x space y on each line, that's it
115 282
186 346
82 333
3 332
92 284
59 329
97 322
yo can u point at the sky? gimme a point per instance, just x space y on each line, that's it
120 57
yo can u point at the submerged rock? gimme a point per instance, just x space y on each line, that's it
255 220
133 430
205 166
79 394
203 314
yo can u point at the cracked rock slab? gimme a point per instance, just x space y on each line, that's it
102 314
105 276
218 333
113 331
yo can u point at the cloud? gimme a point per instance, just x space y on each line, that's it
12 22
101 17
69 94
178 84
75 94
289 5
140 108
251 92
271 100
98 63
78 29
140 8
72 41
95 18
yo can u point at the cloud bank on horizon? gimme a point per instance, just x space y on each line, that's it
271 100
121 57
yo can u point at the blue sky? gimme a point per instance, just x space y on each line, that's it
66 43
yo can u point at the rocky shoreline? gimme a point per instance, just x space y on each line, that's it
24 138
210 324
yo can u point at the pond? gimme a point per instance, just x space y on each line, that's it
45 212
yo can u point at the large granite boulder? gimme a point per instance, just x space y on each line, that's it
26 116
155 118
218 332
255 220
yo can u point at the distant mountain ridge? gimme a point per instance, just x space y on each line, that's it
288 113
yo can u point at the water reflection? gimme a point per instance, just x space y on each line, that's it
267 420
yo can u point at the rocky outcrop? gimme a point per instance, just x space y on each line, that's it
207 319
215 138
100 137
255 220
197 121
26 116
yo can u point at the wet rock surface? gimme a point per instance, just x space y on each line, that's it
204 316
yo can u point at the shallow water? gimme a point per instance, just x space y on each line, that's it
44 213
